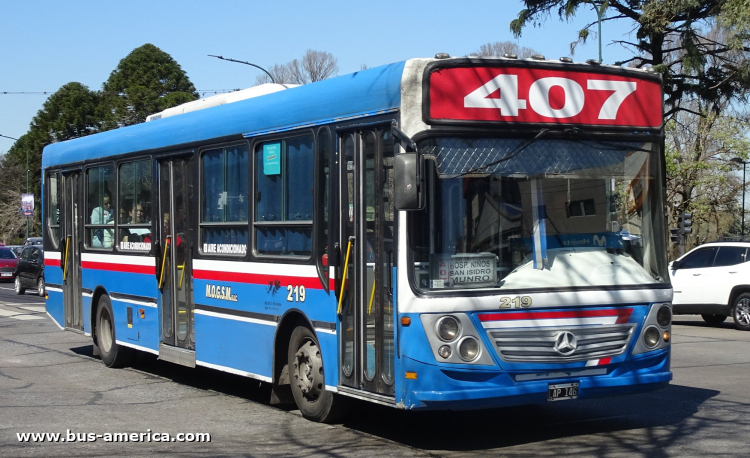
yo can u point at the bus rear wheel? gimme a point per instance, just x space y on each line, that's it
113 355
308 381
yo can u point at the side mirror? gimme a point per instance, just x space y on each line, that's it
675 265
408 187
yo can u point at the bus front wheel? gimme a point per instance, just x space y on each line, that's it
307 379
113 355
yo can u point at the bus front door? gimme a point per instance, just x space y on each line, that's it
175 270
70 214
367 234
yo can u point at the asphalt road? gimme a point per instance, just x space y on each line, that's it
51 383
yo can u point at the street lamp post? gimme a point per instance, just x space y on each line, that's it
744 168
246 63
27 180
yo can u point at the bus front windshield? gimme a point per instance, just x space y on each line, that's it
534 214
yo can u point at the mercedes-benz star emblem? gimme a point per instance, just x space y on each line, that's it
565 343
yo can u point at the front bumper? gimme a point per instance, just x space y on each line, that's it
440 388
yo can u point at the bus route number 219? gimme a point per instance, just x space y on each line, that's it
515 302
296 293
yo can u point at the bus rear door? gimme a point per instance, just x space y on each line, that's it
175 264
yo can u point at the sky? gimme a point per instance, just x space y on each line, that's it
46 44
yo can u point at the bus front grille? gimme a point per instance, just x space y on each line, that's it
553 345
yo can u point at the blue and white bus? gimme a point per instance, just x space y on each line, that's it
442 233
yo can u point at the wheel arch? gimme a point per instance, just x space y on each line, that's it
292 318
736 291
99 291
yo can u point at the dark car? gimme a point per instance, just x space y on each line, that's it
30 270
8 263
33 241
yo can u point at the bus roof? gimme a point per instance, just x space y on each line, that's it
366 92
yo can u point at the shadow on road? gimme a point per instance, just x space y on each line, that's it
645 424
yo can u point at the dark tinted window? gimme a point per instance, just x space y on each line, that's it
700 258
25 254
730 255
6 253
34 255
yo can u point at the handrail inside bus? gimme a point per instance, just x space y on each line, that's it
343 277
67 251
164 261
372 295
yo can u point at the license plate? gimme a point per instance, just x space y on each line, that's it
6 274
562 391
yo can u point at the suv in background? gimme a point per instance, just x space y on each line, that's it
30 270
713 280
33 241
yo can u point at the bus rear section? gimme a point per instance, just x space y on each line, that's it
535 249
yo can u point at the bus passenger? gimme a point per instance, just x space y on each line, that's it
104 214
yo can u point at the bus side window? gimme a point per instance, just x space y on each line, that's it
284 197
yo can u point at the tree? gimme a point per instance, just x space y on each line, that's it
712 68
68 113
147 81
313 66
700 176
12 222
500 48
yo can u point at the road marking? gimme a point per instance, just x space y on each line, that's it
19 304
33 308
27 317
8 313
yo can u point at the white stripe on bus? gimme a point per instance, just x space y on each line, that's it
262 378
235 317
118 259
137 347
263 268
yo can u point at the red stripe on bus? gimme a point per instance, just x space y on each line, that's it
52 262
116 267
623 315
259 279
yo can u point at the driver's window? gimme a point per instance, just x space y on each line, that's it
701 258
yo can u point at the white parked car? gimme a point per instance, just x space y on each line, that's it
713 280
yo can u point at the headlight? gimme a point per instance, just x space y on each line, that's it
445 351
651 337
468 349
664 316
447 328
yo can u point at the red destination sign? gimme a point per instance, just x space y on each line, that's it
535 95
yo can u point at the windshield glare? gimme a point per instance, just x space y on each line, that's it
513 214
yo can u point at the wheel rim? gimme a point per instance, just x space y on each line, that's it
742 312
308 370
40 286
18 284
105 331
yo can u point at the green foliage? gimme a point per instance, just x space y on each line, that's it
701 47
147 81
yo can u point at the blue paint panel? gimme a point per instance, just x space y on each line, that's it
145 332
318 305
441 388
55 307
236 344
369 91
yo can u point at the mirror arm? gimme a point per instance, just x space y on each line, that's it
406 141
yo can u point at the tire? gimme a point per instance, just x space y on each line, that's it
308 382
40 286
19 289
713 319
741 312
113 355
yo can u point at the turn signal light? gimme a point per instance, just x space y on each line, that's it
405 321
665 336
142 313
411 375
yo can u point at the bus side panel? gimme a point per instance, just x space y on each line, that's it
234 344
127 275
53 278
